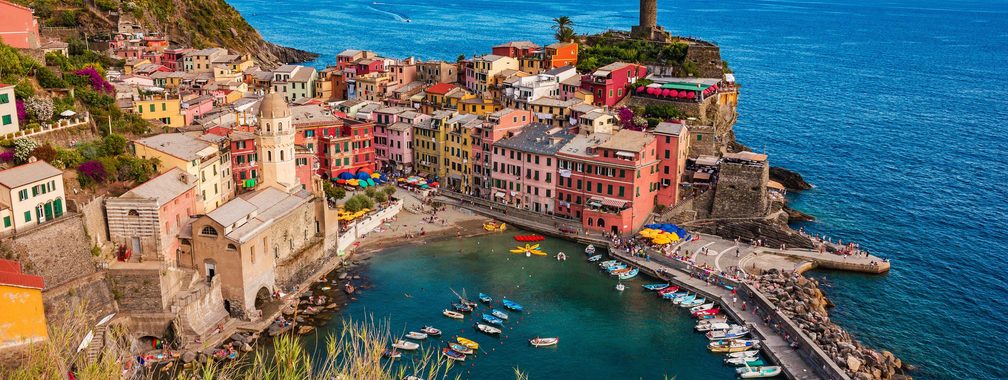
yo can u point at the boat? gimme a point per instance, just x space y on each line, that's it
561 257
392 354
529 250
745 361
544 342
512 305
707 312
460 348
467 342
453 355
680 300
405 345
590 249
493 320
499 314
452 314
620 287
655 286
759 372
430 331
631 274
416 335
693 303
594 258
487 329
492 226
734 332
732 345
674 295
485 298
607 263
743 354
715 317
670 289
529 238
713 326
462 308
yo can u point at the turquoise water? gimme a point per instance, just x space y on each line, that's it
895 110
603 333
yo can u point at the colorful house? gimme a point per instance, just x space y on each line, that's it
23 317
485 70
610 83
9 122
163 108
460 131
498 125
149 217
31 194
561 54
428 143
524 168
18 26
516 49
673 147
196 157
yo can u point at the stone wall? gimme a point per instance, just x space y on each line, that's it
203 310
137 290
741 191
59 251
90 295
94 220
707 58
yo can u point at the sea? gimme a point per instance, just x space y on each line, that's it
895 111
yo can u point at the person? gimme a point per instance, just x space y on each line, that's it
743 305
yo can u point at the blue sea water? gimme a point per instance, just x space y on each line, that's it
895 110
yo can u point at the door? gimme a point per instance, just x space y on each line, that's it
136 245
48 211
211 271
58 207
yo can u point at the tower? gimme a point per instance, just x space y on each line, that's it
648 28
275 144
648 13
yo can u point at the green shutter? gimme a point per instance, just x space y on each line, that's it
48 210
58 207
6 222
7 120
4 99
27 216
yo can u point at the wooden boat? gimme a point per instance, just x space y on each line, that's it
453 355
631 274
590 249
544 342
493 320
529 238
430 331
460 348
392 354
485 298
732 345
499 314
405 345
735 332
462 308
467 342
607 263
674 295
712 326
680 300
620 287
617 272
614 267
453 314
707 312
745 361
716 317
512 305
487 329
655 286
416 335
694 303
759 372
743 354
492 226
668 290
594 258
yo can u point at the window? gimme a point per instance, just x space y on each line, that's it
164 106
7 120
231 247
208 231
151 107
699 137
6 221
27 216
4 99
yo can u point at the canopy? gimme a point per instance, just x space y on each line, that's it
370 182
362 175
67 113
352 182
375 175
341 181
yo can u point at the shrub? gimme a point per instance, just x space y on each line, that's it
47 78
380 197
91 172
45 153
22 111
39 108
23 149
114 145
389 190
7 155
95 78
370 191
67 158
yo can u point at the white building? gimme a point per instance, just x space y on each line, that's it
31 194
8 110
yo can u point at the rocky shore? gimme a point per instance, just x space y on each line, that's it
801 300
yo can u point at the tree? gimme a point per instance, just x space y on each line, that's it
114 145
23 149
370 191
389 190
353 204
380 197
91 172
45 153
562 26
39 108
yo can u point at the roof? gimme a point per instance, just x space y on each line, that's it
440 88
519 45
745 156
348 53
302 74
255 211
176 144
11 275
667 128
614 66
400 126
28 173
164 187
313 114
274 105
578 146
491 57
557 45
538 139
627 140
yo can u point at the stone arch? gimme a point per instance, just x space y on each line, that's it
267 127
133 213
601 223
591 222
231 247
262 297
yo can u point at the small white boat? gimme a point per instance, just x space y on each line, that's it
561 256
697 308
713 326
679 301
694 303
487 329
594 258
620 287
499 314
748 372
405 345
416 335
590 249
453 314
734 332
744 361
430 331
743 354
543 342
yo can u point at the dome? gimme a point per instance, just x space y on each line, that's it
273 106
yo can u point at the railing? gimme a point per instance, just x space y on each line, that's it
46 128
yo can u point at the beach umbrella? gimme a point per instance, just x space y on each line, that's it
352 182
652 90
691 94
370 182
375 175
435 184
341 181
673 93
641 89
345 175
363 175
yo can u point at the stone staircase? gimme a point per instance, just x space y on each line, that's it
97 344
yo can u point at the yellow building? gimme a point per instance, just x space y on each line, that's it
478 106
23 318
429 142
162 108
485 70
457 159
199 158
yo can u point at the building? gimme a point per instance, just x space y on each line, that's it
275 144
485 70
432 72
244 159
349 57
385 117
23 318
673 148
460 131
373 86
31 194
610 83
525 167
339 144
561 54
741 190
148 218
201 61
498 125
196 157
478 106
442 96
608 182
428 144
9 122
522 90
516 49
193 107
294 82
331 84
19 28
163 108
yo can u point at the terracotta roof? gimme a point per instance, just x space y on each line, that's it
10 274
440 88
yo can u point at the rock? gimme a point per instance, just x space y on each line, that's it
305 329
188 357
888 356
863 376
853 363
876 373
246 347
789 179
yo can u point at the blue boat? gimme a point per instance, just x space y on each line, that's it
628 275
615 267
485 298
656 286
499 314
672 296
493 320
512 305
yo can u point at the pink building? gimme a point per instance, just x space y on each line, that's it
18 26
673 145
516 49
609 182
196 107
524 167
610 83
384 118
498 125
172 58
148 218
402 72
369 65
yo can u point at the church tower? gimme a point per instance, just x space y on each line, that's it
275 144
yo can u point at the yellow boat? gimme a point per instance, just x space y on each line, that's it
537 252
467 342
492 226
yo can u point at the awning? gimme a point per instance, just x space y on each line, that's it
544 116
499 194
615 203
566 173
594 202
701 176
625 154
707 161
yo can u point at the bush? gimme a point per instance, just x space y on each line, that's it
23 149
114 145
47 78
95 78
39 108
370 191
135 169
91 172
389 190
380 197
45 153
67 158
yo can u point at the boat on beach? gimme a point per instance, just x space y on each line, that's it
544 342
493 320
512 305
628 275
467 342
590 249
430 331
453 355
453 314
495 227
487 329
655 287
594 258
499 314
732 345
416 335
485 298
405 345
460 348
758 372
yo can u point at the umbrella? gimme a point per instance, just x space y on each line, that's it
345 175
370 182
352 182
673 93
341 181
363 175
375 175
67 113
641 89
690 95
434 184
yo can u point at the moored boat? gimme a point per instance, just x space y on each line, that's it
462 308
416 335
674 295
759 372
561 256
460 348
668 290
430 331
529 238
622 270
707 312
453 355
392 354
693 303
487 329
590 249
405 345
467 342
543 342
734 332
655 286
732 345
745 360
512 305
485 298
743 354
493 320
453 314
620 287
713 326
594 258
628 275
680 300
499 314
607 263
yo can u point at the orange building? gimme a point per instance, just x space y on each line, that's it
23 317
561 54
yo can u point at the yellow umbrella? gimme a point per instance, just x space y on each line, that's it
375 175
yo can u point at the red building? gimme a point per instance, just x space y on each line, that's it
171 58
18 26
610 83
609 182
244 160
339 144
516 49
561 54
673 145
369 65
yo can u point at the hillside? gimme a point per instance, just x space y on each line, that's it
190 23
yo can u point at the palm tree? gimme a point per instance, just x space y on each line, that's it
562 25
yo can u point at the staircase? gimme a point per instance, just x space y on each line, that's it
93 350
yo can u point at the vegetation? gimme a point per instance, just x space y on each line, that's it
333 192
563 27
358 202
606 49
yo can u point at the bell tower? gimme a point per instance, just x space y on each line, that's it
275 144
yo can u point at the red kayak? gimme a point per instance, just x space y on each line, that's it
529 238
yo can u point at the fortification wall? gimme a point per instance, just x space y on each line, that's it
137 290
741 191
707 58
59 251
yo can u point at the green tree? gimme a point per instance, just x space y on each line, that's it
114 144
67 158
562 25
389 190
380 197
353 204
370 191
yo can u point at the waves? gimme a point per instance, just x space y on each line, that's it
402 17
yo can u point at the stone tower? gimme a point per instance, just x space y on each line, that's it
275 144
648 28
648 13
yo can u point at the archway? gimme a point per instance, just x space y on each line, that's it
262 297
601 223
590 222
